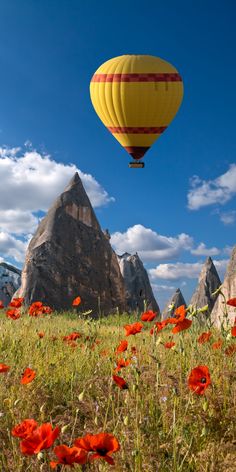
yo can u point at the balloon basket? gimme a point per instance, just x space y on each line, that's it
136 164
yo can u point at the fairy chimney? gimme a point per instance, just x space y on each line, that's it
175 301
137 285
208 283
69 255
229 290
9 282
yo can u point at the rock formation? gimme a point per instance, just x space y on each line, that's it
229 291
69 255
208 283
9 281
137 285
176 300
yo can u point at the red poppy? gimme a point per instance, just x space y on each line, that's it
169 345
41 438
204 337
76 301
4 368
14 314
122 346
148 316
1 304
34 308
181 325
217 344
180 312
230 350
16 302
231 302
158 326
41 334
233 331
133 328
122 384
46 310
102 445
121 363
24 429
69 456
72 337
27 376
199 379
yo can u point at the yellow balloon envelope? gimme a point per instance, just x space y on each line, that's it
136 97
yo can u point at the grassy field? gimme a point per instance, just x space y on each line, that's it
160 424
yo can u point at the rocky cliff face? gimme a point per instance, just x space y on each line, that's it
69 255
229 290
9 281
137 284
208 283
176 300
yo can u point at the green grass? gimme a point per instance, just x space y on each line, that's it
160 424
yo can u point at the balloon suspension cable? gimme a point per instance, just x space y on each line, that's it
136 164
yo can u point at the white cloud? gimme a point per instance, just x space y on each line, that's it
30 181
149 244
176 271
184 270
9 152
228 217
12 247
219 190
160 288
221 266
17 221
202 250
228 250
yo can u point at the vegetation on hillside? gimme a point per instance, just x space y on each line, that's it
173 411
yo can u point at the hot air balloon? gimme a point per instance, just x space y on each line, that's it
136 97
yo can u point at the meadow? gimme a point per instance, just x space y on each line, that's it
160 423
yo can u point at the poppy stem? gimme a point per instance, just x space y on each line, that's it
73 429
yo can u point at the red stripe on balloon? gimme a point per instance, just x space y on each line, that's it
164 77
137 152
136 130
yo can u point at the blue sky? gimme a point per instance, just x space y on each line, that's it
48 51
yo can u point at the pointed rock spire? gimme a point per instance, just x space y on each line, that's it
176 300
69 255
229 290
137 285
9 282
208 282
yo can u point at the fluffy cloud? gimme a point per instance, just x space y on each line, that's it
161 288
220 190
184 270
228 250
202 250
18 221
228 217
221 266
12 247
149 244
30 181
